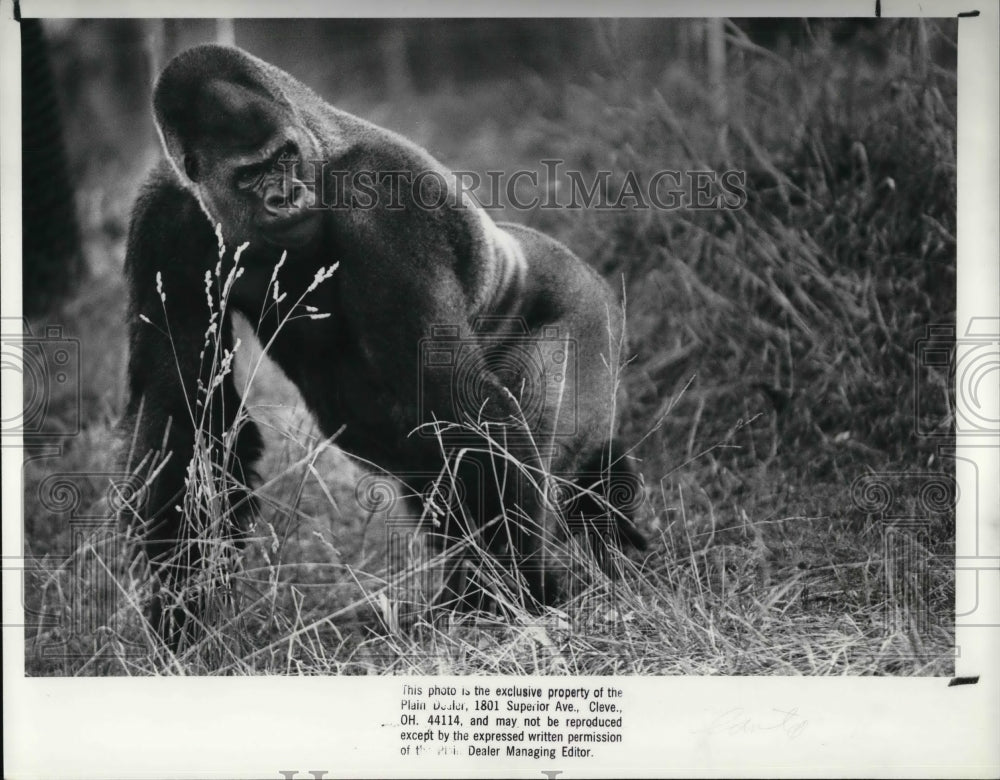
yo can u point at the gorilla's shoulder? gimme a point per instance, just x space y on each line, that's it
531 239
164 198
167 223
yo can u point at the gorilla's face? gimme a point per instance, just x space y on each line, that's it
247 161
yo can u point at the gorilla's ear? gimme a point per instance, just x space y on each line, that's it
176 128
191 167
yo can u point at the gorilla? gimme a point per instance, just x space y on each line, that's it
420 333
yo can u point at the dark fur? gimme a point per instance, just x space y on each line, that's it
401 272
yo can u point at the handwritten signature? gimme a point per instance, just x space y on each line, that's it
738 721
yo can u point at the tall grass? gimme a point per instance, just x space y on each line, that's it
771 364
808 302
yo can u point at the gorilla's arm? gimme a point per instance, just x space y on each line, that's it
427 269
170 247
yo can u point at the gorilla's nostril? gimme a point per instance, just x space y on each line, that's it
274 202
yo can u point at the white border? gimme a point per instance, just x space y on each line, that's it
231 728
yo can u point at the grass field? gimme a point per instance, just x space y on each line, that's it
776 397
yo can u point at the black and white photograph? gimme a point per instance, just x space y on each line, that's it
492 372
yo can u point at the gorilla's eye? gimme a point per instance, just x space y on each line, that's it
191 167
249 177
